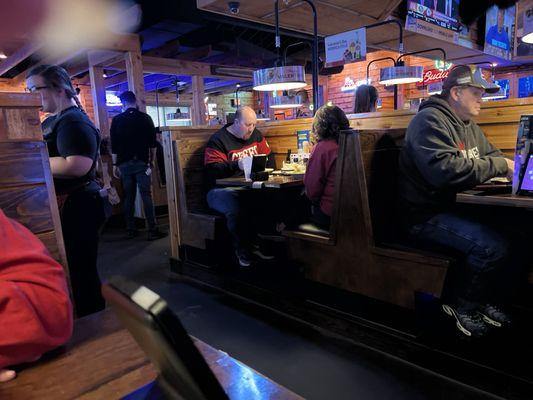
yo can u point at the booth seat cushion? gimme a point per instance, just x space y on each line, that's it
312 228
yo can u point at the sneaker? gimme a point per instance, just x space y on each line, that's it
494 316
259 253
155 234
243 258
469 323
132 233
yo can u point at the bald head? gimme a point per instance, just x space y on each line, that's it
244 123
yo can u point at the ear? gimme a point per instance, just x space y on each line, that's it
454 93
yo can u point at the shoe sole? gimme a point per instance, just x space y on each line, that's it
448 310
489 320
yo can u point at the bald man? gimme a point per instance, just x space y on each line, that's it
223 158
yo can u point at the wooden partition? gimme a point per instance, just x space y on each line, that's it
26 187
498 119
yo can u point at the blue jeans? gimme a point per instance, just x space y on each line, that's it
228 201
133 174
483 250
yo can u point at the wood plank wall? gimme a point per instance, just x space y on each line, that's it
498 119
26 187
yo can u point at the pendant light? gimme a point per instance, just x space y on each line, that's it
527 37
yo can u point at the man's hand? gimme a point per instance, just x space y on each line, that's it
510 168
7 375
116 172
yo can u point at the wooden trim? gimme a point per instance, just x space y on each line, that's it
18 56
12 99
134 70
101 118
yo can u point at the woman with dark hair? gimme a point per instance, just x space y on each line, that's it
73 143
319 177
366 99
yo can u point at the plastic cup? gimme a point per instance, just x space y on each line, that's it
247 166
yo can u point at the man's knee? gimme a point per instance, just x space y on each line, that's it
490 248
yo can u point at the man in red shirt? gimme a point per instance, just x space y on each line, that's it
35 308
224 156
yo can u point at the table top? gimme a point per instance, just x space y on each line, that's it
505 200
274 182
103 361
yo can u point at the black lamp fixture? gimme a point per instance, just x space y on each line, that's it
237 87
289 77
178 115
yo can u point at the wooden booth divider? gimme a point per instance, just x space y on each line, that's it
26 186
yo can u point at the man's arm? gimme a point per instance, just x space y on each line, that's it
114 147
34 300
441 163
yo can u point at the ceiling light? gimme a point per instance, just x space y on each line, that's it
2 55
279 78
400 75
178 116
286 102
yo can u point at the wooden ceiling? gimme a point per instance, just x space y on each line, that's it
335 16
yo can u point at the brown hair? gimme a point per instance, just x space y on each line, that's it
57 77
366 97
328 122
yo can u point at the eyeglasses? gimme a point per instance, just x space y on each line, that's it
34 89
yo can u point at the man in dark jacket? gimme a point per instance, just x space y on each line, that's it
445 152
224 157
133 144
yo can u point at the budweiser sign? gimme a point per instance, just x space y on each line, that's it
433 76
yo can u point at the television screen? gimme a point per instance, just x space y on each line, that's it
525 86
438 19
524 18
499 32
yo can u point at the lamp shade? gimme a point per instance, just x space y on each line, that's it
286 102
400 75
279 78
178 116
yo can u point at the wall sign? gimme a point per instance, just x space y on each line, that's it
346 47
350 85
433 76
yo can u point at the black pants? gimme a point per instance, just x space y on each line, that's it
81 217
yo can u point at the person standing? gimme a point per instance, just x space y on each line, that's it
366 99
133 147
73 143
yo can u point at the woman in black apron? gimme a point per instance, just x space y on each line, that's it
73 143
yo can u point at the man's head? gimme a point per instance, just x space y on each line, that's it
244 123
54 85
501 17
128 100
464 88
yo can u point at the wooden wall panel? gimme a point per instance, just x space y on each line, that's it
29 205
21 163
22 123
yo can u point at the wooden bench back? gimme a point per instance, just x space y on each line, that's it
380 150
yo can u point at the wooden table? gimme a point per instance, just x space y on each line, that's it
102 361
274 182
505 200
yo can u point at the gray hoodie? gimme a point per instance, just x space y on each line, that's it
442 156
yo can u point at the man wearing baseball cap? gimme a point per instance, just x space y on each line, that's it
445 152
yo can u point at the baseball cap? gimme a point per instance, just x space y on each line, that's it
468 75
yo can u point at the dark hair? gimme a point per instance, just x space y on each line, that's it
128 97
58 78
365 98
328 122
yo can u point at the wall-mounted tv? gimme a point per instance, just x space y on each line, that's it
525 86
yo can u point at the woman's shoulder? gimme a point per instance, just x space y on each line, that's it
327 145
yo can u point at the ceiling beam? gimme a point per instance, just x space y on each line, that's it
18 56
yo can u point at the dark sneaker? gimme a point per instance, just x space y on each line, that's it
261 253
155 234
243 258
469 323
494 316
132 233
